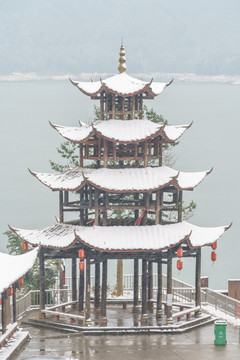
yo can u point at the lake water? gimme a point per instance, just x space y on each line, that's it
28 141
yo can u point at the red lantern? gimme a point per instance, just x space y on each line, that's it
81 265
179 265
81 254
10 291
0 300
214 245
213 256
25 246
179 252
21 281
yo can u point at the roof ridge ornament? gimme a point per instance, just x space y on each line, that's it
122 60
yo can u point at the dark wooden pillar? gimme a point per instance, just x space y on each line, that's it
135 287
159 288
6 311
96 194
14 307
180 206
157 207
81 155
169 287
81 292
198 278
104 292
105 199
105 153
74 281
87 310
81 210
150 286
97 287
42 281
119 277
144 291
61 206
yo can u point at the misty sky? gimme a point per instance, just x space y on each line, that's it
76 36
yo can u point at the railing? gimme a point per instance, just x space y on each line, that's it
221 302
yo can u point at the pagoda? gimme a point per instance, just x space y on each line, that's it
121 171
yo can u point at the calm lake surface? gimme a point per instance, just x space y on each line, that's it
28 141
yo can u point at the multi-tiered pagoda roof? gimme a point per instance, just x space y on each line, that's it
121 168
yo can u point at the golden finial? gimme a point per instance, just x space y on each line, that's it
122 60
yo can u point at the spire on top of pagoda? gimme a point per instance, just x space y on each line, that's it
122 60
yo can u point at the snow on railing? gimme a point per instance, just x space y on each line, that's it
221 302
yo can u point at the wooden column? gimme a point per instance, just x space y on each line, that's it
105 197
97 287
160 158
180 206
159 287
145 150
87 309
147 205
161 207
6 311
101 106
96 194
74 281
119 277
150 285
104 292
81 210
135 287
42 281
81 155
133 107
14 303
157 207
144 292
61 206
140 107
136 212
105 153
81 292
113 106
169 287
198 278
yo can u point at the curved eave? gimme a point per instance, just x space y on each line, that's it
171 141
75 83
18 265
76 188
223 228
34 244
133 250
156 94
204 174
55 127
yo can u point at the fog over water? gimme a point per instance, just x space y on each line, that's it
28 141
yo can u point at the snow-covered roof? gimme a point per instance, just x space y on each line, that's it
122 180
13 267
121 131
122 238
122 85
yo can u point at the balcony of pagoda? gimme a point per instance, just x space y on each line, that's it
97 207
106 151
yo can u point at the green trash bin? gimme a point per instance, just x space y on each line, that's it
220 328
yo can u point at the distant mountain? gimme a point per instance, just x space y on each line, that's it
75 36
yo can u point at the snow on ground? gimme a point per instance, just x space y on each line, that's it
221 315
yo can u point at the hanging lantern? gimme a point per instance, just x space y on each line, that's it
81 265
21 281
25 246
179 265
213 256
81 254
1 300
179 252
10 291
214 245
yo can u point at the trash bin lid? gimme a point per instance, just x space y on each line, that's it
220 322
